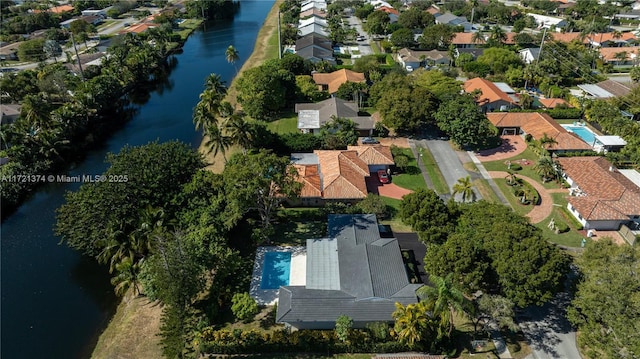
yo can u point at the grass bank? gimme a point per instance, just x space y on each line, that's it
266 48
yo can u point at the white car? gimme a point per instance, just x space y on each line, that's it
409 68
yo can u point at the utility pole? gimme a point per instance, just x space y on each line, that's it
279 37
77 56
544 33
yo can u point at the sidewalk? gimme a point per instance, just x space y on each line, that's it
423 170
501 346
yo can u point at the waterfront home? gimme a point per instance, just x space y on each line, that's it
352 272
312 116
332 81
313 28
601 197
338 175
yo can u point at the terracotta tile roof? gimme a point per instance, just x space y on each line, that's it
432 11
374 154
337 78
539 124
388 10
490 92
553 102
609 53
60 9
343 174
608 36
310 178
138 28
463 38
609 195
565 37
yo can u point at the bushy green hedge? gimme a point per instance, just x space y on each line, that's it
562 227
515 167
577 154
283 341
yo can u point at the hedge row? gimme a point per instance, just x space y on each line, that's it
283 341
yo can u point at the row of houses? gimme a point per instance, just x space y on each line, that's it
314 44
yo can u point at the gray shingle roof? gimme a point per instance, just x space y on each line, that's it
314 53
314 39
327 108
363 274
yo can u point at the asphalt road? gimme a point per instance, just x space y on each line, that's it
363 46
448 162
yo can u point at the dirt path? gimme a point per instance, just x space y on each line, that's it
258 56
541 211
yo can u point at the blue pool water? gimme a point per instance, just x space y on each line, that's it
582 132
275 272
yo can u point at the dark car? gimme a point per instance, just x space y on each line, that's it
369 141
383 177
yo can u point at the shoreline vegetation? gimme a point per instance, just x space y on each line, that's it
133 330
265 48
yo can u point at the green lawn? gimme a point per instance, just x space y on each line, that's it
395 222
515 202
187 27
527 170
433 171
295 225
572 238
288 123
411 178
486 191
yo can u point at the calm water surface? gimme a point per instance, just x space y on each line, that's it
54 302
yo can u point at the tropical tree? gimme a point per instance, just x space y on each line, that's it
413 323
478 37
232 56
464 187
547 168
217 141
126 277
447 299
497 35
240 131
202 118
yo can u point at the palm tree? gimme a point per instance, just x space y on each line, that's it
202 118
215 84
498 35
217 141
240 131
126 276
232 56
446 299
546 168
464 187
620 57
478 37
545 142
412 323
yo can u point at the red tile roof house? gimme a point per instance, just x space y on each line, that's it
491 97
338 175
537 125
600 198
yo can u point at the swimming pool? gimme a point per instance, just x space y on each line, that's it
276 270
583 132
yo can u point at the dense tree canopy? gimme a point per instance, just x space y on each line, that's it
428 215
415 18
606 306
264 90
461 118
437 36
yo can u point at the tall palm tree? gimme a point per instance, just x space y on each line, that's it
446 299
240 131
215 84
545 142
217 141
232 56
478 37
497 35
464 187
126 277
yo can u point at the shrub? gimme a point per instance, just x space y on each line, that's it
243 306
564 113
515 167
379 330
562 227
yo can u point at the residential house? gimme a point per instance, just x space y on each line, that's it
389 10
56 9
338 175
9 112
619 55
453 20
320 5
601 197
93 20
529 55
491 97
86 60
538 125
416 59
612 39
475 52
313 29
138 28
433 10
551 103
312 116
316 54
548 22
331 82
605 89
99 12
379 3
605 144
9 52
352 272
312 20
463 40
313 12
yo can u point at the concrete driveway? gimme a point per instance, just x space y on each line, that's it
363 46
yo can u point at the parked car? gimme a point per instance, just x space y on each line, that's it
361 38
409 68
383 177
369 141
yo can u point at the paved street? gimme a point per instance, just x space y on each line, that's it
448 162
363 46
548 331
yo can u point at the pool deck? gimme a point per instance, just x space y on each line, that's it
297 274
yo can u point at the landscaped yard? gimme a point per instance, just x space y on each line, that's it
295 225
572 238
288 123
527 169
411 178
395 222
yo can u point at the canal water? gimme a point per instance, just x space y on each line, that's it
55 303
